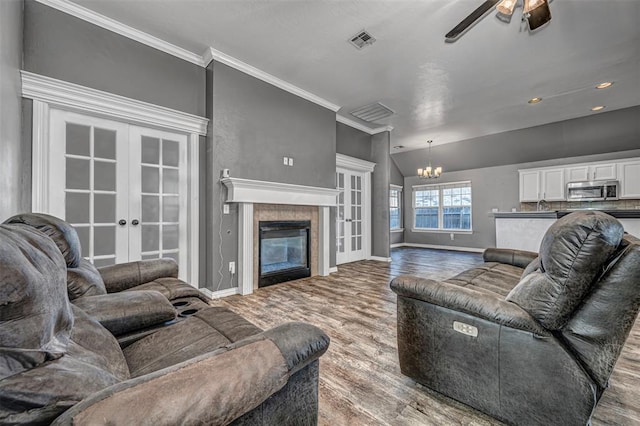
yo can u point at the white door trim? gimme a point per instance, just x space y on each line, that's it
47 93
353 164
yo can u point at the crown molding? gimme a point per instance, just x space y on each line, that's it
212 54
353 163
107 23
257 191
352 123
84 99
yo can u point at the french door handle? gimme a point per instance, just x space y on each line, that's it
135 222
122 222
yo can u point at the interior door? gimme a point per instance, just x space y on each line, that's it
122 187
349 216
88 170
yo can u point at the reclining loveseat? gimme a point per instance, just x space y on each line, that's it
529 339
60 365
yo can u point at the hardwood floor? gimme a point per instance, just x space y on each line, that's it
360 379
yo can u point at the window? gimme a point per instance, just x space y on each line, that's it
442 207
395 207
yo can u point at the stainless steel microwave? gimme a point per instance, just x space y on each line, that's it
593 191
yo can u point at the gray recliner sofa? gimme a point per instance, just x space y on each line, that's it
59 365
530 340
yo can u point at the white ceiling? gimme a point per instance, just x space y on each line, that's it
447 92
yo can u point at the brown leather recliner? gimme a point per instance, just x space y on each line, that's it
538 353
58 364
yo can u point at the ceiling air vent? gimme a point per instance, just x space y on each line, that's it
362 39
372 112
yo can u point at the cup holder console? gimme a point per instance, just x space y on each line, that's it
187 312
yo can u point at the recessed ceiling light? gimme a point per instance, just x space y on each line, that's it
597 108
534 100
398 147
604 85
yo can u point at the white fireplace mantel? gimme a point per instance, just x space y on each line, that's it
247 192
258 191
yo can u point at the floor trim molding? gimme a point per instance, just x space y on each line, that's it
220 293
380 258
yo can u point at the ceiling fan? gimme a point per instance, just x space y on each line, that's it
535 12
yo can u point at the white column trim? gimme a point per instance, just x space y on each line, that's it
245 251
85 100
366 235
194 209
40 157
323 241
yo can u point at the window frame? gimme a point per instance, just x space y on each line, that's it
398 189
440 187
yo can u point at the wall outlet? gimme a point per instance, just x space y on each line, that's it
291 161
285 160
451 235
225 209
232 268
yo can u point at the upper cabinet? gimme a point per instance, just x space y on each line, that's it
542 184
549 183
629 175
590 172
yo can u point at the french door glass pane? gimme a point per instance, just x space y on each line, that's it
78 207
170 153
150 150
103 210
150 180
77 140
104 176
105 143
78 173
105 240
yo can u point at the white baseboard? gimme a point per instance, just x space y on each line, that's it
380 259
396 245
440 247
333 269
220 293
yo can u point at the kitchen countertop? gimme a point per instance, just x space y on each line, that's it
555 214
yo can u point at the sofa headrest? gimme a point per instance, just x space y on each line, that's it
35 314
572 255
63 234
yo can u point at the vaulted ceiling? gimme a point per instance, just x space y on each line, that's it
445 92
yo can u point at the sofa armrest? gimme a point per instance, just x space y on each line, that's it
122 313
124 276
473 302
519 258
214 388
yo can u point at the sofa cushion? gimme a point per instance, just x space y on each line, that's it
572 254
492 277
92 362
206 330
171 288
63 234
85 280
35 314
123 276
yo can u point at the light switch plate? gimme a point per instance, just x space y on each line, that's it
285 160
291 161
225 209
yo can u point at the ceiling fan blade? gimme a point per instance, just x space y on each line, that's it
471 19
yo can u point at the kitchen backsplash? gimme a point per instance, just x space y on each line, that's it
573 205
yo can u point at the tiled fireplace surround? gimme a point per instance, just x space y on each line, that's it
260 200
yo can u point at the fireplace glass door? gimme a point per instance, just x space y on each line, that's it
284 251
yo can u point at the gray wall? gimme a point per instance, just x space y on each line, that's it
492 187
67 48
600 133
14 198
353 142
396 178
254 125
380 179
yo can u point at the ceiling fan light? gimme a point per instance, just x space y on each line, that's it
538 13
530 5
506 7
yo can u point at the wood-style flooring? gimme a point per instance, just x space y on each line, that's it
360 379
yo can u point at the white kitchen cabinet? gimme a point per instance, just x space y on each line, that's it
553 186
589 172
629 175
529 185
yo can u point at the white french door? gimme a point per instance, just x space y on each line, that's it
123 187
350 215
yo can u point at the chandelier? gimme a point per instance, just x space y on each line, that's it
429 172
